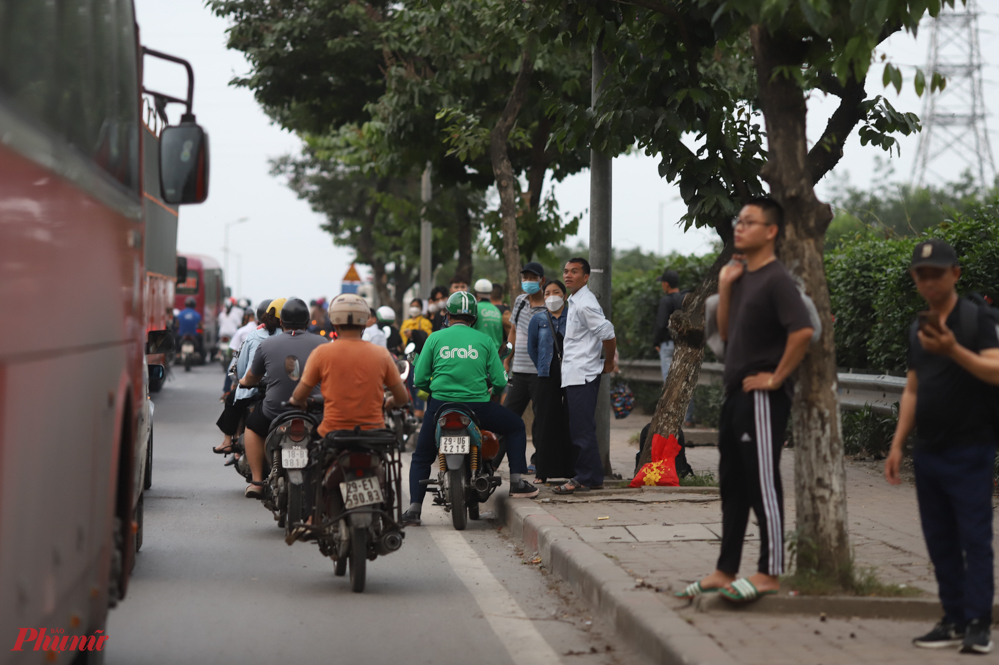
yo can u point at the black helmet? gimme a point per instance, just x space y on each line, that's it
262 308
190 302
295 313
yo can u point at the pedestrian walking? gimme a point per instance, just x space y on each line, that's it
767 328
523 374
949 399
671 301
555 454
490 319
587 333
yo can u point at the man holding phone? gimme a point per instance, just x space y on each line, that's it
953 362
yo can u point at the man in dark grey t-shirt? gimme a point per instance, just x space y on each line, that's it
279 363
767 328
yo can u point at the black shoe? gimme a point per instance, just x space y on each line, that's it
943 635
977 637
524 490
410 518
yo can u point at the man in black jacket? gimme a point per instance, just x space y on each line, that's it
669 303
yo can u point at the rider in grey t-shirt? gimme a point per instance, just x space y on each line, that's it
281 360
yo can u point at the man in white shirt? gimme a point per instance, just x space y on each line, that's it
249 326
587 333
372 333
230 319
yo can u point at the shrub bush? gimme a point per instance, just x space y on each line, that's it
874 300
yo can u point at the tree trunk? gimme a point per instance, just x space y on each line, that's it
506 180
687 330
464 269
820 474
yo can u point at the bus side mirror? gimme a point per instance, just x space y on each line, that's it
184 163
159 341
156 373
181 269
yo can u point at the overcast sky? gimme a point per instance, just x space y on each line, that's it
282 251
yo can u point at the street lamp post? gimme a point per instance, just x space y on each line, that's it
225 249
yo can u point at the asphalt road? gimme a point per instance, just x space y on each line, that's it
216 583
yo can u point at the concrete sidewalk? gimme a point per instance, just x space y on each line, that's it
628 551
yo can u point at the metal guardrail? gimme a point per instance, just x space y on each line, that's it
855 390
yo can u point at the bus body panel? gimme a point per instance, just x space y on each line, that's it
204 284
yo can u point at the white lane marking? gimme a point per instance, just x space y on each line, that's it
516 632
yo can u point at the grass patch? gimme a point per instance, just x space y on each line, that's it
706 479
853 582
635 438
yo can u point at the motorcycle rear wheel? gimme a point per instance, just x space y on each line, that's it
358 558
293 513
473 508
456 488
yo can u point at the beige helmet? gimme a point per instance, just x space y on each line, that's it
348 309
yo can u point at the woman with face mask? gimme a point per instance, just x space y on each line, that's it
556 455
416 328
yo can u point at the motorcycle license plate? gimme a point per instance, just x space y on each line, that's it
455 445
294 458
361 492
187 348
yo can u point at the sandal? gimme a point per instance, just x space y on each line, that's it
570 487
222 451
744 592
540 481
254 490
694 590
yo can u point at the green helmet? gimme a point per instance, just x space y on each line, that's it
462 303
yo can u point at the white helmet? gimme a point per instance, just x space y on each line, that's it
349 309
483 286
385 314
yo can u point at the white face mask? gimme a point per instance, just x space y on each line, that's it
432 308
554 303
414 312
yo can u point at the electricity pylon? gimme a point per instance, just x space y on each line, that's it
954 118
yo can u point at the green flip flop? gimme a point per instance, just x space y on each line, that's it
694 590
745 592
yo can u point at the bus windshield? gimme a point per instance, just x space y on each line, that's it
190 286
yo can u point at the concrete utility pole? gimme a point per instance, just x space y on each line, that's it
601 255
426 230
225 248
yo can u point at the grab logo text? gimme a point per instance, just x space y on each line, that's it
447 352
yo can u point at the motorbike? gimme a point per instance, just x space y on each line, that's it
358 500
224 352
188 351
466 476
402 420
288 476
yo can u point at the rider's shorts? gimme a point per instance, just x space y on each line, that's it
258 422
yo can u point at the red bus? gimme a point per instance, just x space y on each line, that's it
205 284
72 350
160 247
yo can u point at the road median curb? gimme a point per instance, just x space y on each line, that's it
638 615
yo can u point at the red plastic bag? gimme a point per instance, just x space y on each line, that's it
661 471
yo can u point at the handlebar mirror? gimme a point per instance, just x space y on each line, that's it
410 348
505 350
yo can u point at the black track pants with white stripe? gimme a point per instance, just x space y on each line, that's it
750 435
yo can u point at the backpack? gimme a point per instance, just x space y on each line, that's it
971 306
712 336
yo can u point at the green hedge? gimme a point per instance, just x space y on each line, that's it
874 299
636 295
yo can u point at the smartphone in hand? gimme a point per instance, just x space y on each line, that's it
928 320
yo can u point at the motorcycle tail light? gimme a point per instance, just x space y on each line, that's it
454 420
360 461
296 430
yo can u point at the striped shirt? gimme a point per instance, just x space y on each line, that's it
522 362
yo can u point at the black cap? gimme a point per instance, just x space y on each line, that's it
534 267
933 253
670 277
